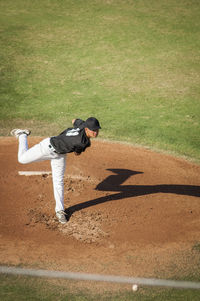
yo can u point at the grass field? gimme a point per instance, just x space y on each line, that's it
20 288
132 64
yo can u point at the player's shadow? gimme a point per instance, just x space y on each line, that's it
113 183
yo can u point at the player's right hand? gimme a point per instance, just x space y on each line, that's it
77 154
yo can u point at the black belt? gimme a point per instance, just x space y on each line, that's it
53 149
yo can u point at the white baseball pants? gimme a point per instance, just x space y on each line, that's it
41 152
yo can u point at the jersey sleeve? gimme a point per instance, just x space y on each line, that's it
78 123
78 149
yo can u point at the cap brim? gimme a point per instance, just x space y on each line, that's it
97 128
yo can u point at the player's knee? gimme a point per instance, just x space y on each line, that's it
22 160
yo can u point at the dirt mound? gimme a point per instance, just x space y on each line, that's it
131 212
84 226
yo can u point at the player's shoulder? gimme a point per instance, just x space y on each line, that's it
79 123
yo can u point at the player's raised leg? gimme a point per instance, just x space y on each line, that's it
38 152
23 143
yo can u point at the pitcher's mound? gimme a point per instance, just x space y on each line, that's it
131 212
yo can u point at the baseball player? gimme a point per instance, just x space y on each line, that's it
74 139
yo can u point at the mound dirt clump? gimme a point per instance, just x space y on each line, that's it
85 227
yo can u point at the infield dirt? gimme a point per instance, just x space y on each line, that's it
133 212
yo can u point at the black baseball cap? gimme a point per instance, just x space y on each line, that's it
92 124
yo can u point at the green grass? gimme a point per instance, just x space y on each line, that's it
132 64
20 288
